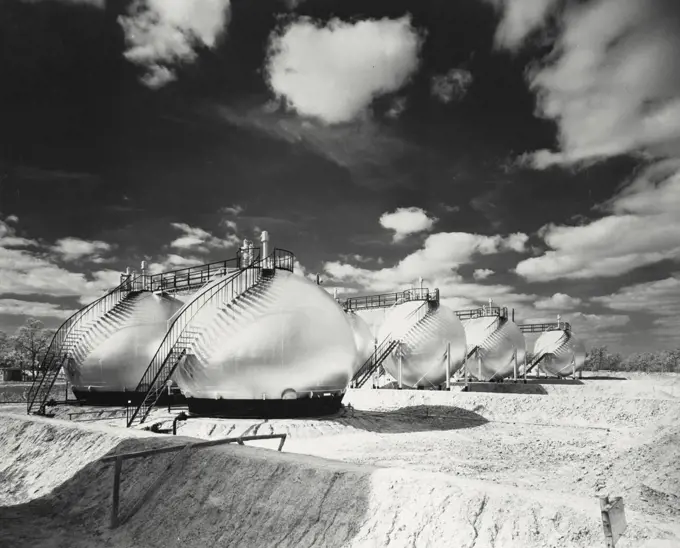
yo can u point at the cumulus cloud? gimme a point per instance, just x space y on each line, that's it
234 210
482 273
660 297
397 109
161 34
642 228
16 307
439 258
452 85
586 323
333 72
31 273
406 221
198 240
9 236
559 301
612 82
73 249
173 262
520 18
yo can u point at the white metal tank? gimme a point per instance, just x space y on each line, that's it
563 353
285 338
425 338
579 352
363 339
498 347
555 351
116 350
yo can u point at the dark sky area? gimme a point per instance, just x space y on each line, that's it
97 163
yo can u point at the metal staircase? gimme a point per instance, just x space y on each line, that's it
80 333
542 328
180 339
542 354
67 337
493 335
87 338
387 346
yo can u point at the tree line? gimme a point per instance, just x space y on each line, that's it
26 348
663 361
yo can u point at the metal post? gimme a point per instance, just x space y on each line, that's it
514 357
525 368
448 366
400 374
116 491
606 525
479 365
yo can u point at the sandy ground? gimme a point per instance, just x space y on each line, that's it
409 468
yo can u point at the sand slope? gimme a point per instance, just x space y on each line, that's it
469 470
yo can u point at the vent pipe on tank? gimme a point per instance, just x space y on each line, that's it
143 266
264 239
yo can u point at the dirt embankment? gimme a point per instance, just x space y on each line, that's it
245 496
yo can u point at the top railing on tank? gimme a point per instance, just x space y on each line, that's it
191 277
58 346
543 327
387 300
483 312
197 276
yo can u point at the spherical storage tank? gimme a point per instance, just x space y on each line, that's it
498 344
579 353
113 354
424 342
562 353
363 339
286 338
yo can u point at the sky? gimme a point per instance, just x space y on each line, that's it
522 151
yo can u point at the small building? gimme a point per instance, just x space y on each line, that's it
12 374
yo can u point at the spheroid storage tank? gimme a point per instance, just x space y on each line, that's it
112 353
283 348
425 330
363 338
496 346
559 352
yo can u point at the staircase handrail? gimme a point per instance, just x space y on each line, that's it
542 327
386 300
97 308
197 274
203 272
226 286
482 312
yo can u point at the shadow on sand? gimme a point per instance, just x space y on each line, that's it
417 418
235 494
